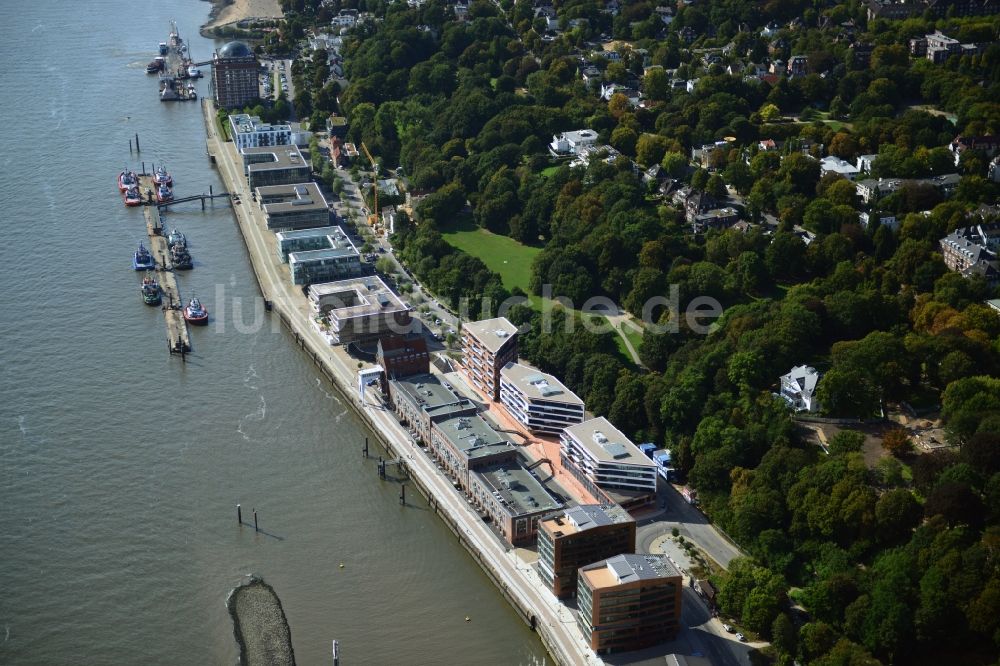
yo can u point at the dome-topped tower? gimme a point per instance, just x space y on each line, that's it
235 50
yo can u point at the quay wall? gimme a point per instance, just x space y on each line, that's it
344 385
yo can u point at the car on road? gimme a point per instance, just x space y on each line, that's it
741 638
728 628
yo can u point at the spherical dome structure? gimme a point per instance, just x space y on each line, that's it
235 50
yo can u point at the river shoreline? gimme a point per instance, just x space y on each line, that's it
564 643
225 12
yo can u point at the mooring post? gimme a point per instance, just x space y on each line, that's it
203 203
255 528
143 168
130 146
210 190
402 494
137 144
239 515
366 448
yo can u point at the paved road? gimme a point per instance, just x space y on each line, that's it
560 634
690 522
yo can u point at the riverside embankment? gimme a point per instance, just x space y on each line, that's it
538 607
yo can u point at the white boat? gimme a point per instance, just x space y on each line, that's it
193 72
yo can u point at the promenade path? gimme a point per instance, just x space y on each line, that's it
554 623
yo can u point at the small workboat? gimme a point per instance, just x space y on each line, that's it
127 180
180 258
195 312
151 291
175 237
161 177
164 194
133 197
143 260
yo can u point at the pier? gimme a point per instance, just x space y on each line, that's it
178 340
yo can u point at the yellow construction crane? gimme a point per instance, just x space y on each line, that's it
373 219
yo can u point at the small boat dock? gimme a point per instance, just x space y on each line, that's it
178 340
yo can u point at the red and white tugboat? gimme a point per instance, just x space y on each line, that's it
195 313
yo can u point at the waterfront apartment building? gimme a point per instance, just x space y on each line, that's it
304 240
487 346
359 310
579 536
608 464
629 602
537 400
513 499
423 399
249 132
275 165
234 76
298 206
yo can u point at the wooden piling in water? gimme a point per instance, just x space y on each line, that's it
239 515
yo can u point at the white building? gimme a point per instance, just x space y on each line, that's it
798 388
603 459
570 143
838 166
537 400
249 132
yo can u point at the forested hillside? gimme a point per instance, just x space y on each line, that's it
895 561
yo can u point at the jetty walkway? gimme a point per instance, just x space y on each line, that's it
537 606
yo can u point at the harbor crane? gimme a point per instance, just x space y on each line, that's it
373 219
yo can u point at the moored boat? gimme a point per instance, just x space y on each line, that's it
193 72
150 291
133 197
127 179
142 259
195 312
164 194
155 65
175 237
180 258
161 177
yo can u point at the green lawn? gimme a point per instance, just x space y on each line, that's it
501 254
548 172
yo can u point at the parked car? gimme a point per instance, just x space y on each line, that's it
728 628
741 638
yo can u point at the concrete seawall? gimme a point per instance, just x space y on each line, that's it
562 643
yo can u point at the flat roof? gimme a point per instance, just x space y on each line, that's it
536 384
607 443
244 123
474 436
519 489
492 333
282 157
628 568
315 232
306 256
373 294
587 516
296 197
428 392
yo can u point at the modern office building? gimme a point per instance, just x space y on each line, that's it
249 132
305 240
298 206
464 443
629 602
537 400
608 464
234 76
339 260
487 346
275 165
579 536
358 310
420 400
513 499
